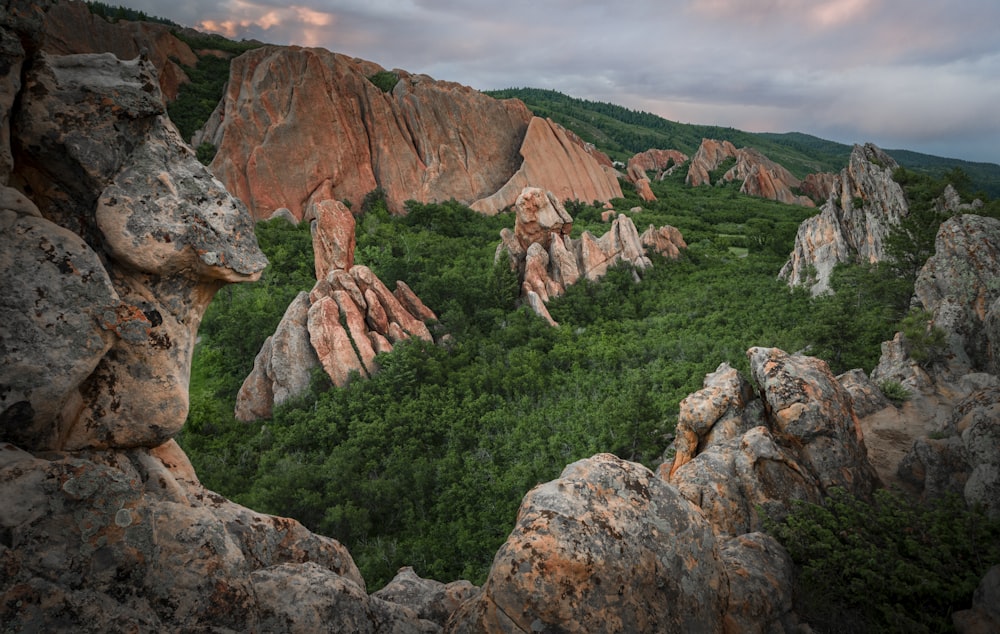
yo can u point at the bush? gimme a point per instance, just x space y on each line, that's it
891 565
894 391
385 80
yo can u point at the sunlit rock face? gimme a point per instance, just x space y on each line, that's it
423 140
853 223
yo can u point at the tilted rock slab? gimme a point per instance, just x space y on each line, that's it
663 162
852 224
348 318
759 175
425 140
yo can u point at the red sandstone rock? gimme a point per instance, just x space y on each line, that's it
332 237
710 155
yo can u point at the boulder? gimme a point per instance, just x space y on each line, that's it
760 575
539 216
431 600
736 453
852 224
128 540
666 240
866 397
606 547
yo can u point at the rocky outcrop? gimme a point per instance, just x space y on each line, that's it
710 155
70 28
737 452
662 162
819 186
759 175
958 286
341 325
852 224
548 260
122 246
424 140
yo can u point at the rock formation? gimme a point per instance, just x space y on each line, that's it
424 140
663 162
347 319
958 392
548 260
760 176
852 224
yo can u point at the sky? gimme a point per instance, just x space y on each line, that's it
921 75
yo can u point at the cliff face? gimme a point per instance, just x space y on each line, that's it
423 140
853 223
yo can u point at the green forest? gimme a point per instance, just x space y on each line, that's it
425 463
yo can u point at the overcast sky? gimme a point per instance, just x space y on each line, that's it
922 75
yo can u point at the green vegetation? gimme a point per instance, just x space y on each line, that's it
385 80
425 464
895 391
888 566
114 13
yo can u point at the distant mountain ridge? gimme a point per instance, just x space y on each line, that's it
621 132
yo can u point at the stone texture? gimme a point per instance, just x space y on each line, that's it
426 140
760 575
866 397
332 236
283 367
431 600
958 285
852 224
735 453
710 155
666 240
102 162
126 541
661 161
606 547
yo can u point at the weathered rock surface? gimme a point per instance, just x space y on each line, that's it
736 452
130 541
431 600
852 224
958 286
710 155
425 140
341 324
606 547
819 186
548 260
557 161
155 236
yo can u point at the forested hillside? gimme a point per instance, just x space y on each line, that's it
621 132
425 463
